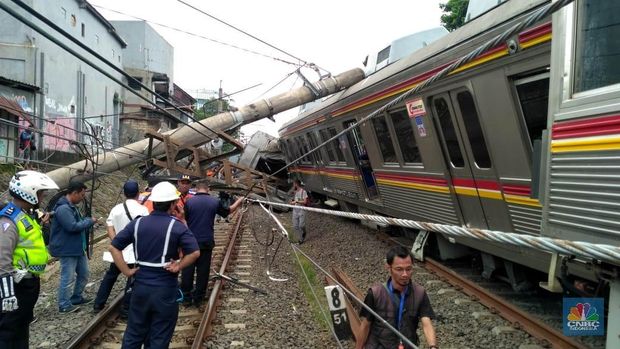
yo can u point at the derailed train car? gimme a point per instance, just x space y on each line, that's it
523 139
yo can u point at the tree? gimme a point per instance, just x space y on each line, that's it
455 12
212 107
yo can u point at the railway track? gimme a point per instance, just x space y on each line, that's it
194 325
519 318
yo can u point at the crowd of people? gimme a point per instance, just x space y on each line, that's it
155 236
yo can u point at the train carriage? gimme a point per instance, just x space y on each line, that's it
523 139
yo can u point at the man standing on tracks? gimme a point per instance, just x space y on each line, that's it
299 215
400 302
68 242
119 217
23 257
200 211
157 239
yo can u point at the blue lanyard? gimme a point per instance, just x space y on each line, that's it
401 304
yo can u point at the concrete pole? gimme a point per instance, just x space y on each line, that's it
136 152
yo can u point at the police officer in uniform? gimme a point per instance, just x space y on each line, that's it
23 257
156 239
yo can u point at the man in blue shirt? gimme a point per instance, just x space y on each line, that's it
200 211
156 240
68 242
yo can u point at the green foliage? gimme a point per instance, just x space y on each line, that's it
454 13
308 268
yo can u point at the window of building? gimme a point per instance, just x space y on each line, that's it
63 13
533 93
97 39
405 137
113 53
449 132
73 21
596 47
328 147
473 129
83 30
384 139
135 84
336 143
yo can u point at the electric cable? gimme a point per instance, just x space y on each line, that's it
198 36
101 58
494 42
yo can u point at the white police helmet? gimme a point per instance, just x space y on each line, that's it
163 192
26 184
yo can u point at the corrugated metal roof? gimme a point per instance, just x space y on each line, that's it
18 84
13 108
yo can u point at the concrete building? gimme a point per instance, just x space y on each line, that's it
60 90
149 58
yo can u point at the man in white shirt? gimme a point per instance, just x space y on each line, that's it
119 217
299 215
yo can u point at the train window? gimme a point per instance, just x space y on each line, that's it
313 144
384 139
339 153
328 147
449 132
596 47
473 129
304 146
405 137
533 93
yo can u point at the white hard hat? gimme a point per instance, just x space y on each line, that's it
26 184
163 192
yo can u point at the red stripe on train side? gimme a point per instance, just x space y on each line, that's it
481 184
513 189
535 32
598 126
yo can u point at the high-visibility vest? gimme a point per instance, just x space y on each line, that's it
30 253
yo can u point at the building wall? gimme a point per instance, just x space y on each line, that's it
70 88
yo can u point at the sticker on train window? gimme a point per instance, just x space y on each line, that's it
415 107
419 122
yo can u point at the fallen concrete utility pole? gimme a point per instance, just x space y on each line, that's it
136 152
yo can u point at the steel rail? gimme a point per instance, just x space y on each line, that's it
209 315
517 317
97 326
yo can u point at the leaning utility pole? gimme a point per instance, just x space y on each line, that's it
137 152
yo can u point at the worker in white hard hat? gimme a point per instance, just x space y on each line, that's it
23 256
155 298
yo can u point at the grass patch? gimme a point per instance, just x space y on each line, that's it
7 168
316 282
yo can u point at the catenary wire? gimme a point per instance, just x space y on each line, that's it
96 67
496 41
198 36
37 130
244 32
360 302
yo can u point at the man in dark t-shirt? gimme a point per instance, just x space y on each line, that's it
401 303
200 211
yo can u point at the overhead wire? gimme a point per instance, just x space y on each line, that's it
494 42
245 33
296 250
198 36
36 129
102 59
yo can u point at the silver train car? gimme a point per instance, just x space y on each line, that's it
524 139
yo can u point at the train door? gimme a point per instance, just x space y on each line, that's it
466 155
319 156
362 162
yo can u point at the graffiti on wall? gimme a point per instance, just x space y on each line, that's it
60 132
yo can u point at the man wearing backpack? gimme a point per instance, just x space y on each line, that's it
400 302
119 217
26 144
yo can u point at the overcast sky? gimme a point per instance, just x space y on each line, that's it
335 35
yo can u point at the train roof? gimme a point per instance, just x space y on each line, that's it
491 19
